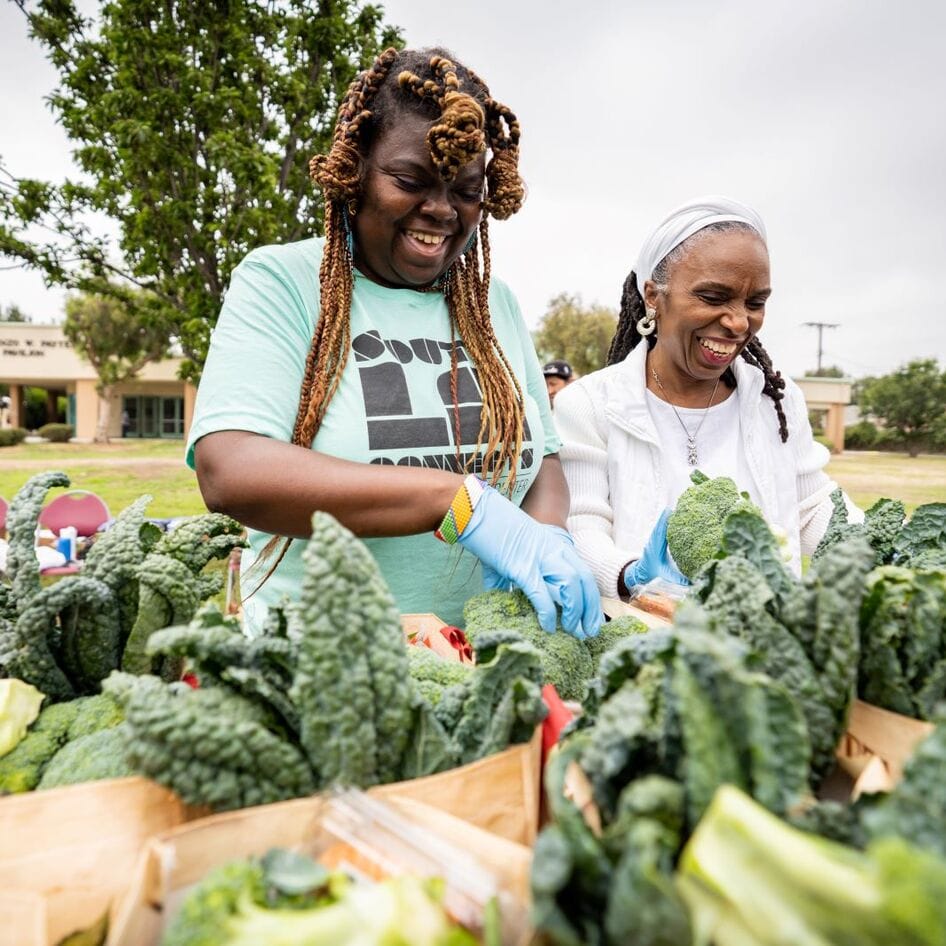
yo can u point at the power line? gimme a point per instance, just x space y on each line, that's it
821 326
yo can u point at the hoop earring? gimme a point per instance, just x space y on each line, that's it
647 324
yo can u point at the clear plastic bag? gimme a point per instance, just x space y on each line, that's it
658 597
377 841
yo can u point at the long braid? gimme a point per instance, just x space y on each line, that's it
626 337
466 123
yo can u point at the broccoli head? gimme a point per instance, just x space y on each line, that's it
87 759
695 528
567 663
56 728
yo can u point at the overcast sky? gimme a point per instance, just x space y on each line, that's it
828 117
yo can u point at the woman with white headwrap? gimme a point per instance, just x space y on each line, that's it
702 393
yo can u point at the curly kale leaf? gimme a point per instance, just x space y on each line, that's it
168 594
746 533
429 747
883 522
352 683
695 528
115 556
502 701
197 540
82 616
902 640
923 536
739 602
210 746
571 871
27 656
822 612
22 564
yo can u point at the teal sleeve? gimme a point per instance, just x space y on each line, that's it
253 374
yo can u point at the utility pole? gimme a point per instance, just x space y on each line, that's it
821 326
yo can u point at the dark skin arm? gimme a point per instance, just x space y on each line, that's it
275 487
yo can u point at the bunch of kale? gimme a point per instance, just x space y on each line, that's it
65 638
903 616
325 696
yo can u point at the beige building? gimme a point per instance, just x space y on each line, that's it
831 396
156 404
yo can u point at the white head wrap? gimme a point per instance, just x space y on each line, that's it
686 220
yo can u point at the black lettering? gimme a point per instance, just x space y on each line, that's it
384 389
408 433
400 351
367 346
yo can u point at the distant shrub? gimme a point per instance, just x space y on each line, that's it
57 433
860 436
11 436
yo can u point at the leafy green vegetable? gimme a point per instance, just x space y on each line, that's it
748 877
19 706
567 663
282 900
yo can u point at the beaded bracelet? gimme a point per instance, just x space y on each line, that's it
461 510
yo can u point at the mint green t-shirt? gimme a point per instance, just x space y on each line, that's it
393 405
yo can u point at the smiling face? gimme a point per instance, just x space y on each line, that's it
713 304
410 225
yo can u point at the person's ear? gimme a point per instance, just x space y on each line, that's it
651 294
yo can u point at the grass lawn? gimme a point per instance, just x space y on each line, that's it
124 469
866 476
119 472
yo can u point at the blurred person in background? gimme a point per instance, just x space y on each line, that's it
558 374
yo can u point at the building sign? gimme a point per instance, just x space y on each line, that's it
29 347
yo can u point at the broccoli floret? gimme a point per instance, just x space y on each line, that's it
695 528
426 665
611 632
22 768
87 759
94 713
567 663
56 726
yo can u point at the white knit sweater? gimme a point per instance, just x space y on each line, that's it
611 454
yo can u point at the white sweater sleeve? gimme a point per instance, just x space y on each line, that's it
584 456
813 484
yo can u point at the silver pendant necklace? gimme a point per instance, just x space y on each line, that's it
692 457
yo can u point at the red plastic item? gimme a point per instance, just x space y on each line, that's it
559 716
78 507
457 640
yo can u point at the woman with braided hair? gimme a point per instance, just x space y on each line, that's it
381 375
700 392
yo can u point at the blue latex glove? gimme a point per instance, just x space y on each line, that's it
655 562
539 559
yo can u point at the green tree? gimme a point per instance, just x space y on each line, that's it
911 401
579 335
116 341
193 124
13 313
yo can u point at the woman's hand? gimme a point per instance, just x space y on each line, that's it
655 562
538 558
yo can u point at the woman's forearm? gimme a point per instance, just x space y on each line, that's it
275 487
547 499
